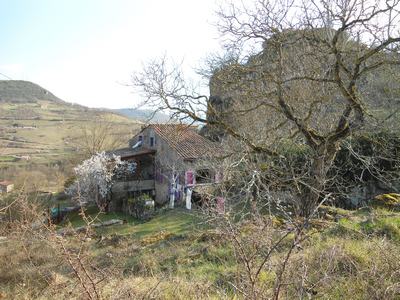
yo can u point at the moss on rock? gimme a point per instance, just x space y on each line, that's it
391 200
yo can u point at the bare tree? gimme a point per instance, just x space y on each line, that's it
171 172
308 86
100 135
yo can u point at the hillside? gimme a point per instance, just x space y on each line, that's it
145 115
38 127
19 91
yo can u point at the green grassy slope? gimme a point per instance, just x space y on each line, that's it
177 221
175 256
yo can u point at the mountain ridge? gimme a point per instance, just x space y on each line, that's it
21 91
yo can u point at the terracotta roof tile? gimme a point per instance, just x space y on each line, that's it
186 141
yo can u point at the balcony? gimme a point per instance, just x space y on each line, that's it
133 185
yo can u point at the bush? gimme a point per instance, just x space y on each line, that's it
367 157
141 207
69 182
340 268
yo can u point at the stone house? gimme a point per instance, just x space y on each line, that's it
6 186
172 161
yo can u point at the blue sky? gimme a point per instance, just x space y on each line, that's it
85 51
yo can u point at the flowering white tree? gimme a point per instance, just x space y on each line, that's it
95 177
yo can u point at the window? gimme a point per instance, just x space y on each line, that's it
152 141
203 176
140 139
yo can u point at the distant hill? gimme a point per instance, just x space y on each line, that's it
143 115
19 91
36 126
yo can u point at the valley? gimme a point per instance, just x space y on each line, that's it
41 132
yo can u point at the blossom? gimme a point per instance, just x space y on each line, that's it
95 176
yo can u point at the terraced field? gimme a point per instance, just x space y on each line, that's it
43 137
48 131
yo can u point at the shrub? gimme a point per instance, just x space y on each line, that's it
141 207
341 268
69 182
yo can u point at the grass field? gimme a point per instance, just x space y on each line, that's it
176 221
176 256
6 159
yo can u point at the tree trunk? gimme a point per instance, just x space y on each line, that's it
315 187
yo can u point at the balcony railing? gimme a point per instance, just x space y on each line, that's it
134 185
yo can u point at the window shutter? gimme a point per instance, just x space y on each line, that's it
189 178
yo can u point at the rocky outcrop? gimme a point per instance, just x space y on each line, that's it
243 95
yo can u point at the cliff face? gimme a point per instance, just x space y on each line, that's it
245 95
